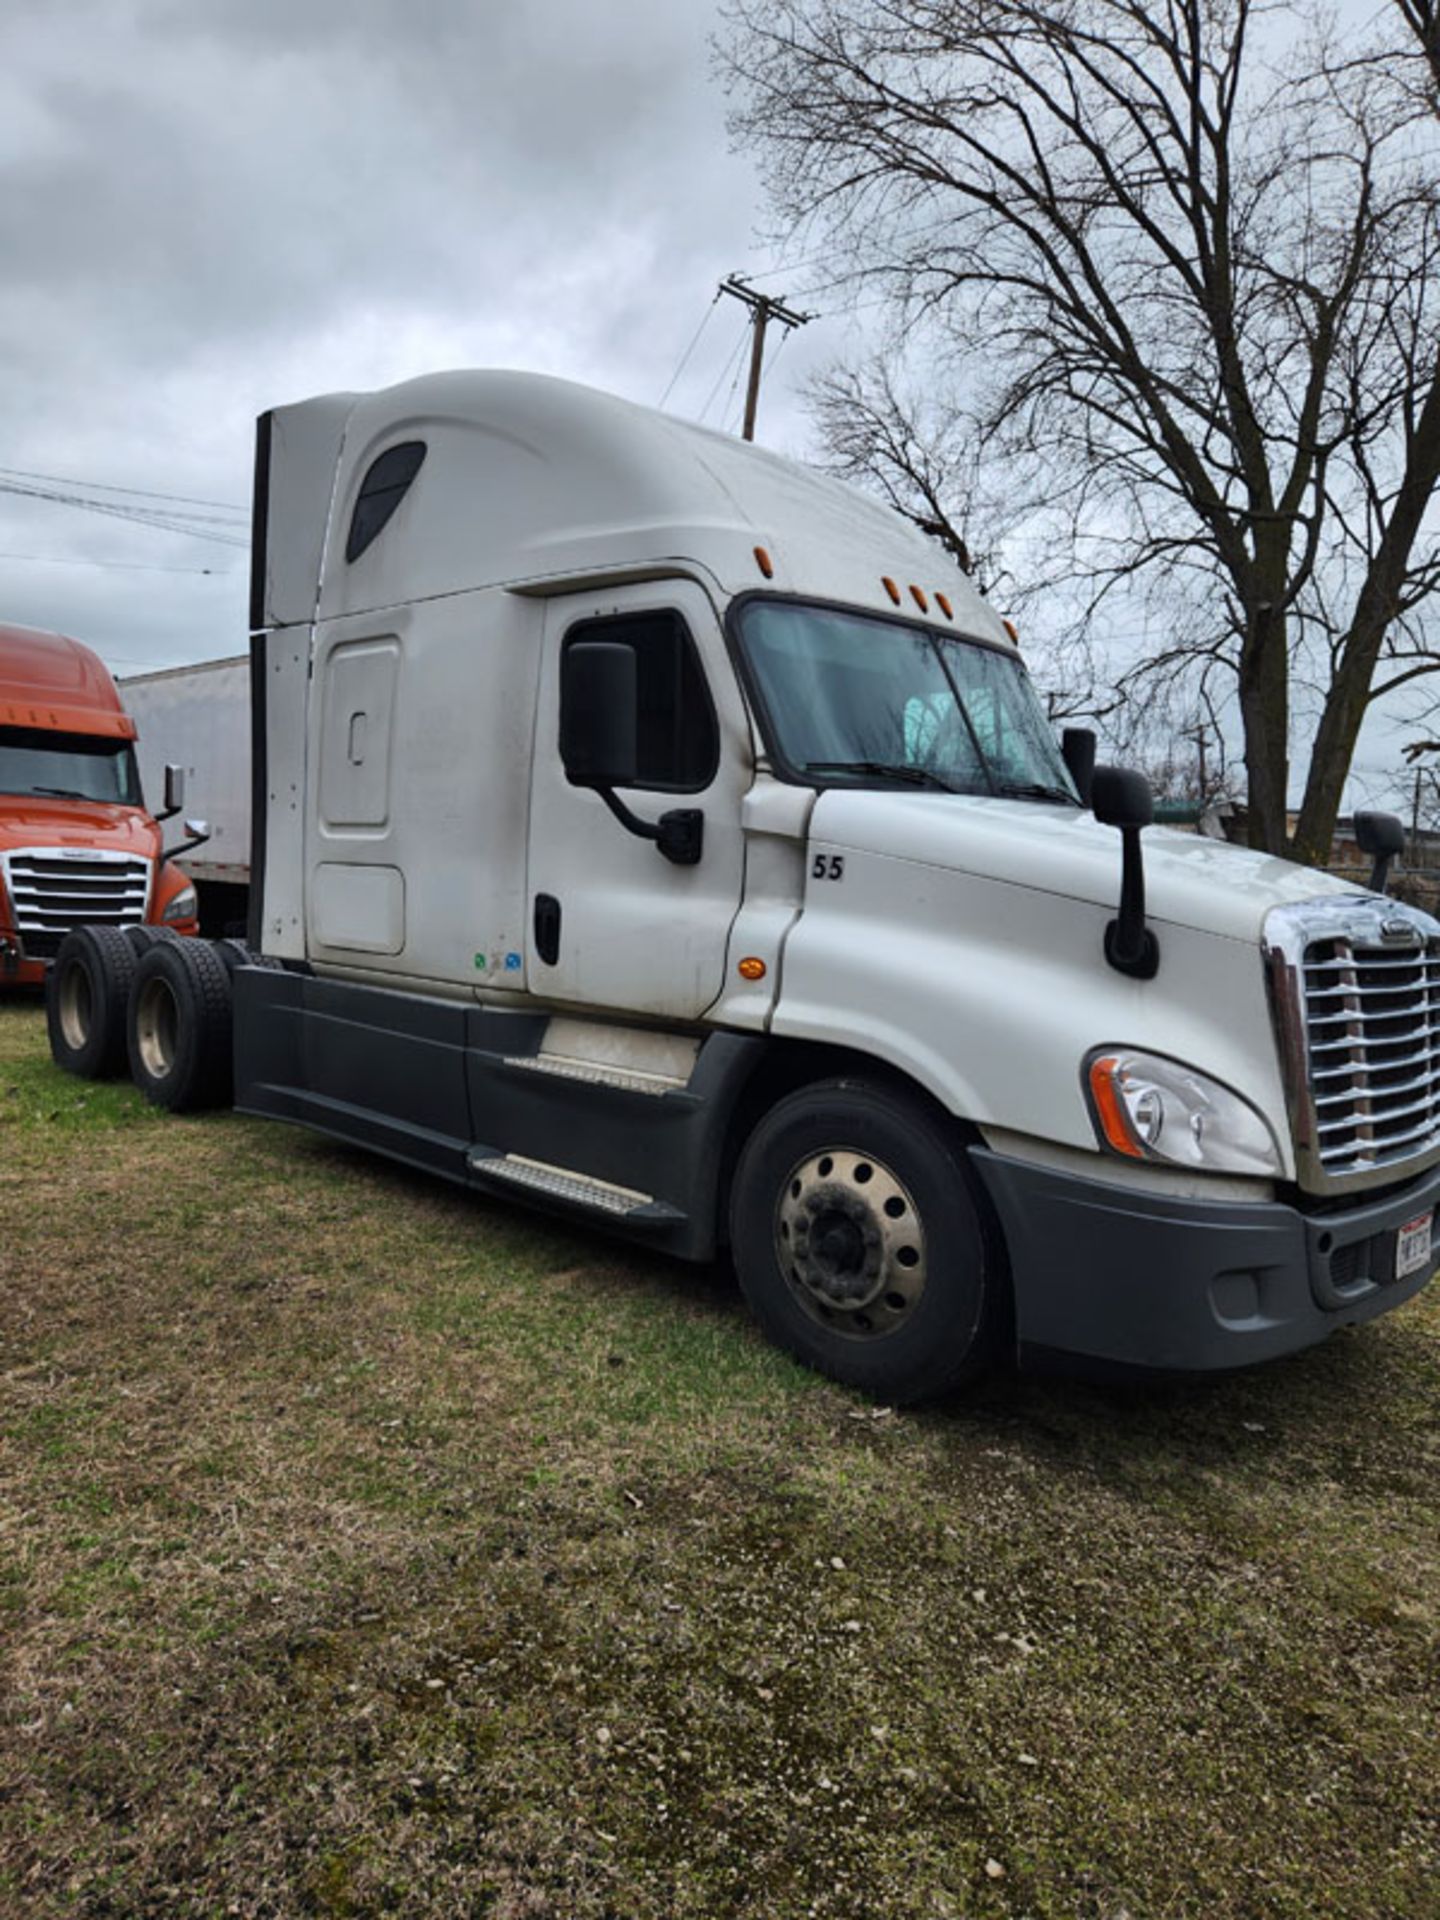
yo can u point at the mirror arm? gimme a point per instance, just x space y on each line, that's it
1130 946
185 846
1380 872
679 834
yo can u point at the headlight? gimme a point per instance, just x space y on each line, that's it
1150 1108
182 907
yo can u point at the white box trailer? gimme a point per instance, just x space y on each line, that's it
652 829
198 718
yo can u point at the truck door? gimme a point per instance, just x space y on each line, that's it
612 922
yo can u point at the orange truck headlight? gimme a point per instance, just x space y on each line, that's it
182 907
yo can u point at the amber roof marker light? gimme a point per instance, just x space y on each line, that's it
944 606
890 588
917 594
764 562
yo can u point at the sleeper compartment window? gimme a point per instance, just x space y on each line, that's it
381 492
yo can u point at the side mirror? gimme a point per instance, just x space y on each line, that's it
599 713
599 742
174 792
1123 799
197 832
1077 750
1382 836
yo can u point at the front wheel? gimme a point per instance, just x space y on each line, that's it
857 1243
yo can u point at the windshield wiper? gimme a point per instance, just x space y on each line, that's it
912 776
60 793
1034 790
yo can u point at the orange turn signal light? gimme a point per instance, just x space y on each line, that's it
764 562
751 969
1110 1109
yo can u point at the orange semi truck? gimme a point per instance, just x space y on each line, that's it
77 845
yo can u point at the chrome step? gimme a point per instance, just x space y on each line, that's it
574 1189
597 1073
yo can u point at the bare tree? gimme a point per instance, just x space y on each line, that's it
1183 259
928 458
1423 20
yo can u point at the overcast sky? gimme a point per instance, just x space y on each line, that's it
209 207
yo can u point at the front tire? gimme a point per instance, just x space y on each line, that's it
857 1242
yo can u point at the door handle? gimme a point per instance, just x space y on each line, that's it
547 928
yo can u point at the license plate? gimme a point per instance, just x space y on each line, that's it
1412 1246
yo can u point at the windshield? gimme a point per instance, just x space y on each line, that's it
68 766
852 697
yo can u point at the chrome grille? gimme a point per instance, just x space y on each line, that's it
1358 1001
52 891
1372 1018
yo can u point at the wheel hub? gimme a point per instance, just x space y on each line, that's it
850 1243
77 1010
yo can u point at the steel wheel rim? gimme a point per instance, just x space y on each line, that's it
77 1007
850 1243
157 1027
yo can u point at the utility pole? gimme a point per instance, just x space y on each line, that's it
1415 822
763 309
1197 734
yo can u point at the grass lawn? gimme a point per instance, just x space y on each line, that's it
370 1549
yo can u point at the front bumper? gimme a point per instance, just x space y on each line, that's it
15 969
1108 1275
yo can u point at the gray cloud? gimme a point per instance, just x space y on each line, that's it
209 208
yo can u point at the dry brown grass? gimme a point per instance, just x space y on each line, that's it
368 1550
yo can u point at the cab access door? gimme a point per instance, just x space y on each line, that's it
614 924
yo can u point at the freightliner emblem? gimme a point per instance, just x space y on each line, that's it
1399 933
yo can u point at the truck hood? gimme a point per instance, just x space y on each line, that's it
34 820
1189 881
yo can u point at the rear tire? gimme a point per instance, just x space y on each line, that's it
179 1027
858 1244
235 952
142 938
86 994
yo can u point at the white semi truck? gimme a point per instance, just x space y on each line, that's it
648 827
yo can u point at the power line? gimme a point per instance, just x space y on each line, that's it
694 342
197 525
120 566
729 401
735 354
106 486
